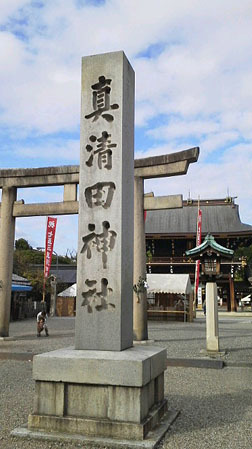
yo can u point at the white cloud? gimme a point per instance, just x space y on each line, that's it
197 90
158 150
10 7
194 75
215 141
51 151
182 128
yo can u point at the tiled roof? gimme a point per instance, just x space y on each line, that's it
19 280
68 276
216 219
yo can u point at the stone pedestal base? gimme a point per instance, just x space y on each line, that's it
152 440
212 354
99 393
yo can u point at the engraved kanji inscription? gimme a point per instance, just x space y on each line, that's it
98 299
101 100
103 242
100 194
101 146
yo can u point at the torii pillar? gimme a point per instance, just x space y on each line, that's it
7 235
173 164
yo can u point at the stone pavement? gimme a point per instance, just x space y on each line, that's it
215 404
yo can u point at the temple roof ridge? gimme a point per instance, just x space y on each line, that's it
210 241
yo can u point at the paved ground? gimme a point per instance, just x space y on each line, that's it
215 404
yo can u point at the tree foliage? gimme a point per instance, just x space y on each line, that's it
36 278
245 251
26 258
22 244
26 261
245 271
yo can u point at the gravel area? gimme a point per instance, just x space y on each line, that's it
215 405
187 340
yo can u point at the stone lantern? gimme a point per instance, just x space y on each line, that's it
211 255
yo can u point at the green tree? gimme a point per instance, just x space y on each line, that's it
25 261
245 251
36 278
22 244
245 254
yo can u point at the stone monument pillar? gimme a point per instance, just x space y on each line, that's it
104 314
104 388
212 326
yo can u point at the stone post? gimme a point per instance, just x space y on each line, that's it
212 326
140 331
104 316
53 282
7 235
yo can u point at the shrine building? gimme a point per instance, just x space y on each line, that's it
171 232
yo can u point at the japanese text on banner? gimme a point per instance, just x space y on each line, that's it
50 236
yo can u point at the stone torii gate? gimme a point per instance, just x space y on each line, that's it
68 176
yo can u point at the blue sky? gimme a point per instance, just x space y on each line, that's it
192 61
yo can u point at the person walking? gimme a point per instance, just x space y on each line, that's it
41 323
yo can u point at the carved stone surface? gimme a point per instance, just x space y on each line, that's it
105 248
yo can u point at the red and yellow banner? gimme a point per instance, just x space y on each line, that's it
198 242
50 236
199 227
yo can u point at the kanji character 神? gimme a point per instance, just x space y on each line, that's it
103 242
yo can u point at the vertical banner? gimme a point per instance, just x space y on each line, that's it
50 235
198 242
200 296
49 242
